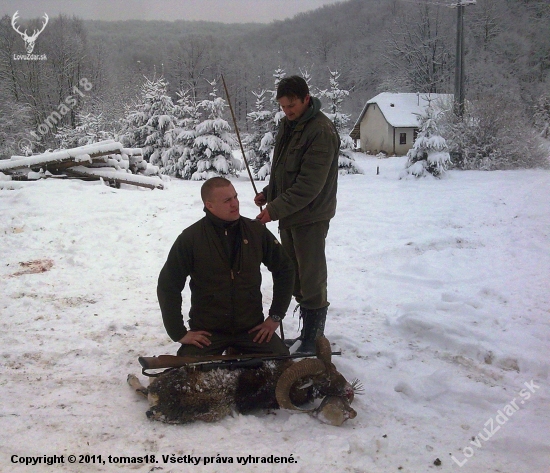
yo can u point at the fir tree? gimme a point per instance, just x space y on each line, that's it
265 126
278 114
146 127
260 141
213 142
346 162
429 154
90 129
183 135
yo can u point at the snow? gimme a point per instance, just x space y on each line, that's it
439 295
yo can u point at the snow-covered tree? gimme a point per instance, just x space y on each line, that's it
146 127
542 115
261 140
429 154
346 162
90 128
213 142
183 135
15 129
265 118
278 114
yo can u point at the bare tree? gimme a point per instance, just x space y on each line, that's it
419 49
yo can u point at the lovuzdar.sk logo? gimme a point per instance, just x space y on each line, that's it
30 40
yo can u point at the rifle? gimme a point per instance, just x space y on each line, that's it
207 363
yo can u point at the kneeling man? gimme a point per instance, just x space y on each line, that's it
222 255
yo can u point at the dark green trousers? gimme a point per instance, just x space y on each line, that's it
306 247
241 342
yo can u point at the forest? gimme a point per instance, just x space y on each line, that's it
99 68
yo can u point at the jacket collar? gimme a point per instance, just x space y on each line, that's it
218 222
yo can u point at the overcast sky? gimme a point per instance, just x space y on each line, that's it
227 11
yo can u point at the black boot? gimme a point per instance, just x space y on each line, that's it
314 327
291 341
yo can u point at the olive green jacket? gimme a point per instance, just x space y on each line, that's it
225 282
304 173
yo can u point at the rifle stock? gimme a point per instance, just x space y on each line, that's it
172 361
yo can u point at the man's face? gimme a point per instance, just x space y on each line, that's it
294 107
223 203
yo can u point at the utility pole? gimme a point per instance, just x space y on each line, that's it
459 62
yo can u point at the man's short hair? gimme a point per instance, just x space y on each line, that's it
291 87
210 185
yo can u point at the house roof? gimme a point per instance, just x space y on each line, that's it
401 109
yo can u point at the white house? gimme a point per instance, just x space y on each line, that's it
389 121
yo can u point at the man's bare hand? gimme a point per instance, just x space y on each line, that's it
265 330
198 338
260 199
264 216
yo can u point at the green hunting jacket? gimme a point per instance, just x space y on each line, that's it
304 174
223 260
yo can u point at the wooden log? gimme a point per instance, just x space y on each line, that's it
76 155
118 177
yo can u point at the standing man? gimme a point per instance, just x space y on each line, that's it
302 195
222 254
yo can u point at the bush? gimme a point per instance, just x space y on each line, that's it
494 134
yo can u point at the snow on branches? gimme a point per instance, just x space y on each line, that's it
429 154
346 162
148 124
213 141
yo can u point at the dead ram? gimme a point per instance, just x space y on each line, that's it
186 394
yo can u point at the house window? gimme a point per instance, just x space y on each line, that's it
415 134
402 138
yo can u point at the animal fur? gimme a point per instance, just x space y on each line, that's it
187 394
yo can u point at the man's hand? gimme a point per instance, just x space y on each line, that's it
264 216
198 338
260 199
265 330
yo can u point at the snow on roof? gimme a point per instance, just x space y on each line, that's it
401 109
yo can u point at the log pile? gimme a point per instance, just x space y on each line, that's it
106 160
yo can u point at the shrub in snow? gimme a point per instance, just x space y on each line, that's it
90 128
542 115
15 128
213 141
429 154
346 162
493 134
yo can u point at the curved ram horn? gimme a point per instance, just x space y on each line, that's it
307 367
324 351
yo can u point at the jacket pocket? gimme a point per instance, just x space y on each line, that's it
293 160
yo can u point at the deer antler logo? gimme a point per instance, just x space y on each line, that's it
29 40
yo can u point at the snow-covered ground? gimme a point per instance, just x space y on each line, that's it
440 303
